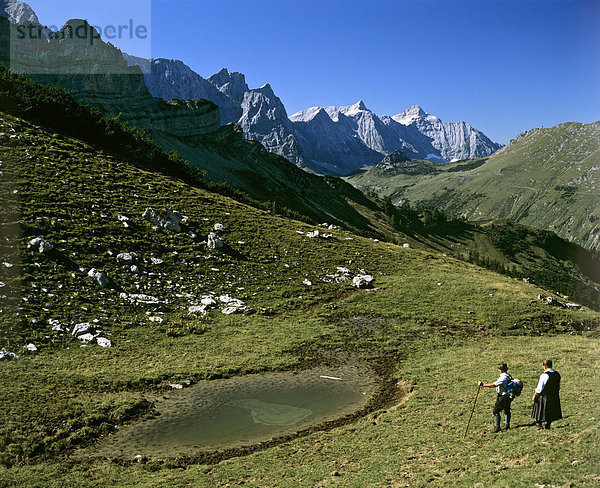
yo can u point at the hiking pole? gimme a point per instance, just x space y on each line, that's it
472 410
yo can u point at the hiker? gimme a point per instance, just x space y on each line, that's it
503 400
546 402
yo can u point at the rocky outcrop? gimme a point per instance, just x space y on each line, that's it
168 219
40 245
214 241
398 163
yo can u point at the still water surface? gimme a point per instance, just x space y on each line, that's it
241 411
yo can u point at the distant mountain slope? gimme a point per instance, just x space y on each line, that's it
547 177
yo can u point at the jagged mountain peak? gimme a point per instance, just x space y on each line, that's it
224 76
233 84
409 115
17 12
358 106
309 114
266 89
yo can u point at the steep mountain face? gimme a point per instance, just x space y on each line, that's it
418 134
171 79
327 146
328 140
259 112
17 12
547 177
453 140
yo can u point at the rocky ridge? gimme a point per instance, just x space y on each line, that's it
328 140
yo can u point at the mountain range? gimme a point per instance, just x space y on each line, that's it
327 140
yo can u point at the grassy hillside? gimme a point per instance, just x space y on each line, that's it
546 177
282 187
428 311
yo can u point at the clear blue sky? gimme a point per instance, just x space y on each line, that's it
504 66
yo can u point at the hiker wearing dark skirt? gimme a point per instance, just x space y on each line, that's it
546 400
503 399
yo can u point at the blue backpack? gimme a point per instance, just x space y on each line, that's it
514 387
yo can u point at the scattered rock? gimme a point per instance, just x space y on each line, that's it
363 281
31 347
176 386
103 342
81 329
40 245
197 309
87 338
99 277
141 299
231 310
219 227
214 241
307 282
6 355
208 301
125 256
169 219
314 234
406 245
574 306
555 303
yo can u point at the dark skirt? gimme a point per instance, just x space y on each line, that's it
546 409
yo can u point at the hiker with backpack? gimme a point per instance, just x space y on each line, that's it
507 389
546 401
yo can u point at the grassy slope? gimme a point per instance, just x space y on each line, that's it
66 395
548 179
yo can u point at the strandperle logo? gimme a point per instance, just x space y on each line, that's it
92 33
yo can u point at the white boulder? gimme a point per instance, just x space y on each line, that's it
83 328
363 281
40 245
87 338
103 342
6 355
214 241
99 277
168 219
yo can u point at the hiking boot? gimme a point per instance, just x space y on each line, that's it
507 427
496 430
539 427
